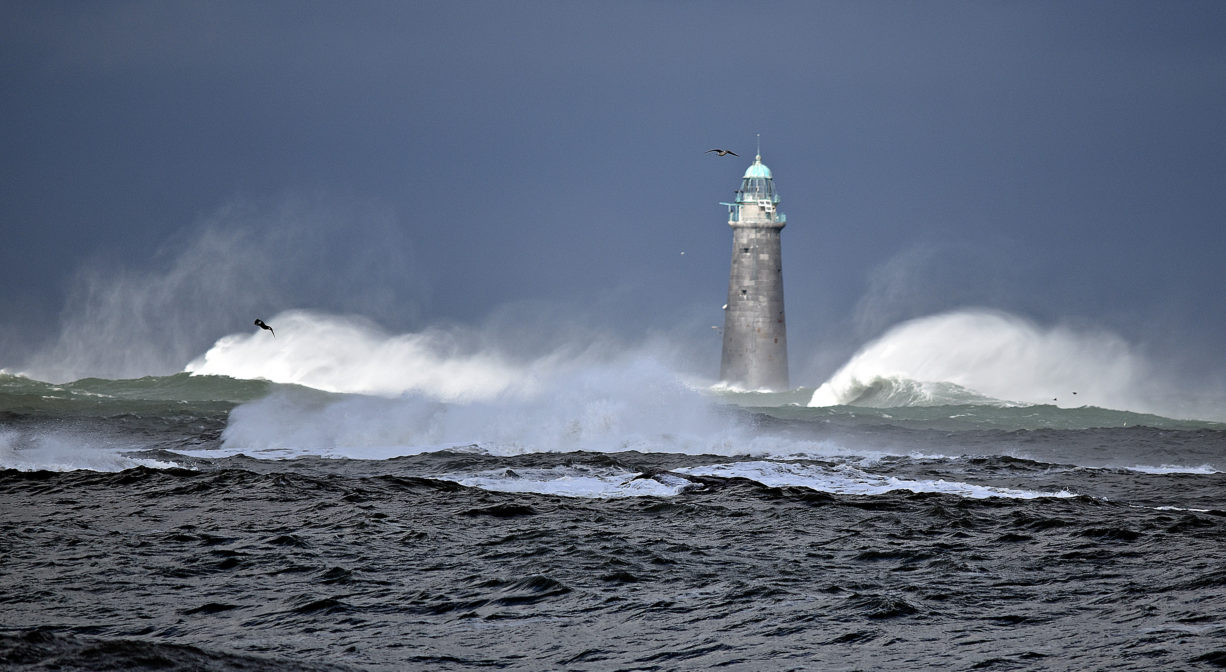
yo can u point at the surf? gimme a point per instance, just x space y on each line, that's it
989 357
345 353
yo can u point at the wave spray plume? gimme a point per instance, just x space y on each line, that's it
975 356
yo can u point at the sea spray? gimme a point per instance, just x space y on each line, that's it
964 356
125 323
149 318
377 394
339 353
630 402
58 449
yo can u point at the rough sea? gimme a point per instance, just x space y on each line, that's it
604 517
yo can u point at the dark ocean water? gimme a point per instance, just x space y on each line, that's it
207 523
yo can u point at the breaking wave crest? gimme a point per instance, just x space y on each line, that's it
350 354
894 391
410 393
980 356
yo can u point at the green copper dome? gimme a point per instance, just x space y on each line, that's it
758 169
757 185
757 198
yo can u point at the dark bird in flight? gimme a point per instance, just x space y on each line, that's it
260 323
721 152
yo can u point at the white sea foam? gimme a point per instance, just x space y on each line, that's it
848 480
568 481
597 482
67 451
967 355
1204 469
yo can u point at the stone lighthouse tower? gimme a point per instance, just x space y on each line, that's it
755 333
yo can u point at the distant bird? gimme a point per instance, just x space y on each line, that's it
721 152
260 323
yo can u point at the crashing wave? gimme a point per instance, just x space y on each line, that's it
895 391
983 356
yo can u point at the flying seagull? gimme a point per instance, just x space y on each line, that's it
260 323
721 152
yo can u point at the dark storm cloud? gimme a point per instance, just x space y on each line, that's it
1059 160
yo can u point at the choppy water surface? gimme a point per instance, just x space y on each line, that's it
161 525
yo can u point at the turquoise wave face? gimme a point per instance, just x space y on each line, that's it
946 407
149 395
179 387
956 417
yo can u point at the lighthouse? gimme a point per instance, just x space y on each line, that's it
755 354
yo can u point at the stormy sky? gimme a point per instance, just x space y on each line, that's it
171 170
